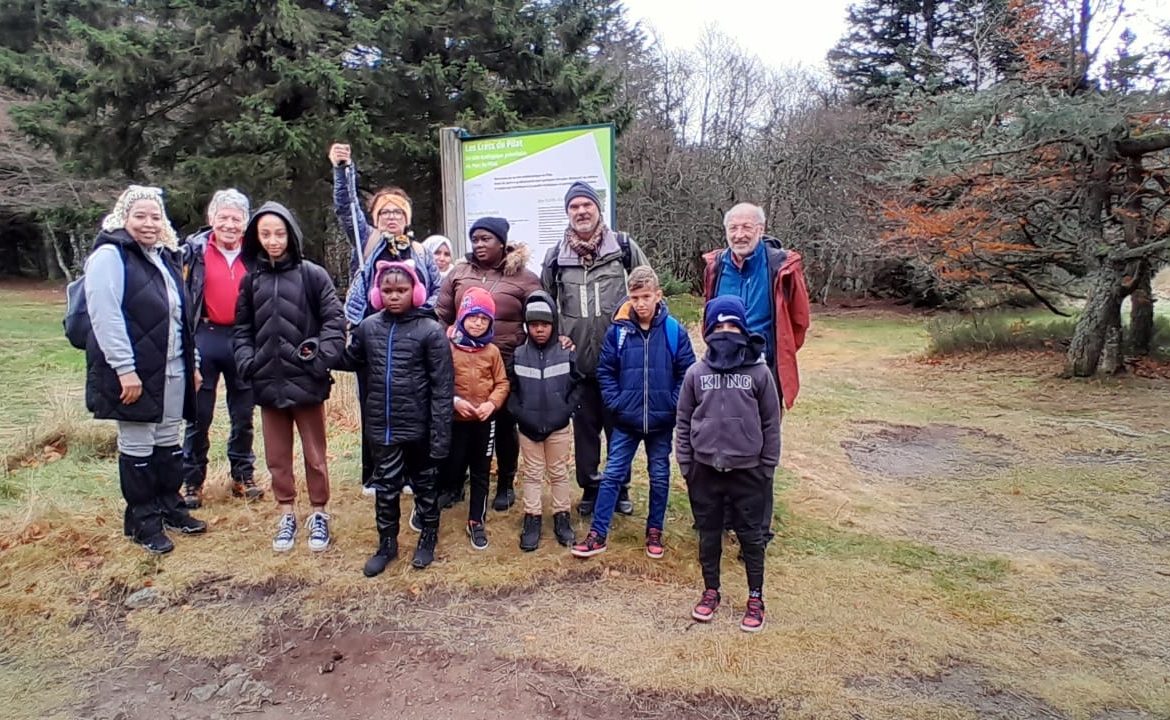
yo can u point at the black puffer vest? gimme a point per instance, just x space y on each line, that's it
146 308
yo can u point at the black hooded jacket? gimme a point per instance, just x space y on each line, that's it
281 305
405 361
545 382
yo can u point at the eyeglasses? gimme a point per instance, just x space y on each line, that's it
392 212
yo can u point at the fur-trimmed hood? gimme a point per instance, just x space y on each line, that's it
516 257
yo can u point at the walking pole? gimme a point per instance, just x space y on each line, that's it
351 178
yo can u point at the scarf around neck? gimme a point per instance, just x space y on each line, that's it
587 249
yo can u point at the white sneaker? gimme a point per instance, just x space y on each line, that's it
406 490
369 491
286 534
318 524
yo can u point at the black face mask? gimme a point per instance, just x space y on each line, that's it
727 350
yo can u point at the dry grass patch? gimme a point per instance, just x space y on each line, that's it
1025 588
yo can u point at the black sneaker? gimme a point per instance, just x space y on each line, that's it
478 535
588 500
530 535
247 488
387 551
624 505
192 497
504 500
185 524
563 529
593 544
156 543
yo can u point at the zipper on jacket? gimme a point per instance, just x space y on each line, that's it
543 392
646 381
389 365
585 297
276 301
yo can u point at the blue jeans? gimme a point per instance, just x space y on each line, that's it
618 461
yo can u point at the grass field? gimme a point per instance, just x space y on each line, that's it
960 538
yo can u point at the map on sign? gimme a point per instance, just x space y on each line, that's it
523 177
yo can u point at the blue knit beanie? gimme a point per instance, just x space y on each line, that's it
581 189
497 226
725 308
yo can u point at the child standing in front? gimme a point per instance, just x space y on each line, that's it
545 392
401 354
481 388
728 449
644 358
289 332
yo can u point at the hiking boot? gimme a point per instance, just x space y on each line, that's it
530 535
415 522
624 505
156 543
247 488
387 551
588 500
478 535
185 524
424 554
319 538
505 498
707 606
192 497
286 534
753 616
654 547
593 544
563 528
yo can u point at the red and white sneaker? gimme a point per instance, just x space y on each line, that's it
593 544
753 616
707 606
654 547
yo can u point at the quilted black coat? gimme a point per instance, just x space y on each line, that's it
282 304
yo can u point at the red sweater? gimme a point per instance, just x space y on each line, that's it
221 284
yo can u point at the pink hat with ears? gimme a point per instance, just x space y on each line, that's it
418 295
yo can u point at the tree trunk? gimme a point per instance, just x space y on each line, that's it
1096 341
1141 311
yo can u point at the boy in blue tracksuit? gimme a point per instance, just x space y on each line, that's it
644 358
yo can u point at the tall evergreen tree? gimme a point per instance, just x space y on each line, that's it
933 45
195 94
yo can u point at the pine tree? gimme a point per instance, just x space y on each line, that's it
198 94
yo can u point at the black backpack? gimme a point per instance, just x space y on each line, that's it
76 322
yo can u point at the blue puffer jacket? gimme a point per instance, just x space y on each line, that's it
639 374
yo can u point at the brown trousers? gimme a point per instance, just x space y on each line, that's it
277 427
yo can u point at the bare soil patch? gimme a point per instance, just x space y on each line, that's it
908 451
403 668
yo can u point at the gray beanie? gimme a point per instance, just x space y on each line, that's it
538 311
581 189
